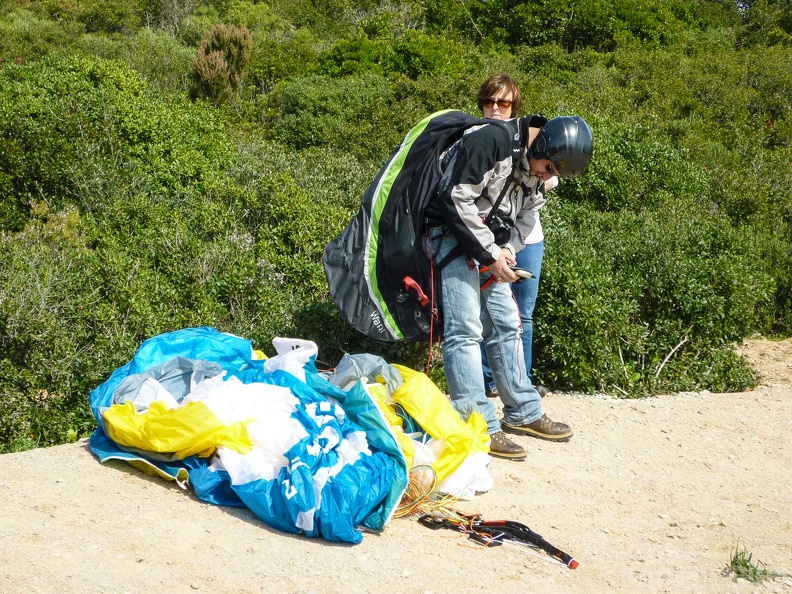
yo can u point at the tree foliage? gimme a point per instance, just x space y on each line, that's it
221 62
127 210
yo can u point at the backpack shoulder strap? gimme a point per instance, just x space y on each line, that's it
519 130
512 127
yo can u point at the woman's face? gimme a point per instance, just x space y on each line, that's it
498 106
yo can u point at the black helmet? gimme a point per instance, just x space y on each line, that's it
567 142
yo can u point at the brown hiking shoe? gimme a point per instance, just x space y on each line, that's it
503 447
543 427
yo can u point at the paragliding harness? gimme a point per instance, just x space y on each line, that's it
495 533
379 274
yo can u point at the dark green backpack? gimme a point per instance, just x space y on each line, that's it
378 272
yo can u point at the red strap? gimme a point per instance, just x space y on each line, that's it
490 280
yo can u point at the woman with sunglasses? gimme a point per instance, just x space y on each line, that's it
499 99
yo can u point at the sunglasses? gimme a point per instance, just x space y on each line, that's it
502 103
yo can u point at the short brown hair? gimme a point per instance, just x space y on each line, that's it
496 83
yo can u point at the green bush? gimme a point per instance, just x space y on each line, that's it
771 242
366 115
158 57
47 359
25 36
412 54
329 18
768 22
645 303
74 130
110 16
635 168
170 15
280 57
595 24
350 113
121 231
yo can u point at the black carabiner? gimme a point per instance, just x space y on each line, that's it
438 522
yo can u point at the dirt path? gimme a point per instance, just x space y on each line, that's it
650 496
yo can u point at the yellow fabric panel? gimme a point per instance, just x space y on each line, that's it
186 431
425 403
182 475
406 444
379 393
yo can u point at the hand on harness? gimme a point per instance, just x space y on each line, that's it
518 275
501 268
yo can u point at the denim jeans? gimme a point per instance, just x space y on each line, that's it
472 316
530 258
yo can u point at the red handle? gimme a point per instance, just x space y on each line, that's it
409 283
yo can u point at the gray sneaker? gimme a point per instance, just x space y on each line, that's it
503 447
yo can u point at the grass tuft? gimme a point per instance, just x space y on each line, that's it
741 565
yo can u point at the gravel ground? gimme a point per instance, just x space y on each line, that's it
650 495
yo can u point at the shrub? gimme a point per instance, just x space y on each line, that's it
645 304
45 128
329 19
596 24
635 168
158 57
170 15
25 36
111 16
75 131
350 113
220 65
279 56
416 54
46 359
767 23
124 229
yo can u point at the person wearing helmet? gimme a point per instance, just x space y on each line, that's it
567 142
477 224
499 98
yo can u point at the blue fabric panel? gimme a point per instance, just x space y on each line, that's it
231 352
360 408
364 493
212 486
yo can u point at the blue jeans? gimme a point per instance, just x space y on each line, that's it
530 258
472 317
